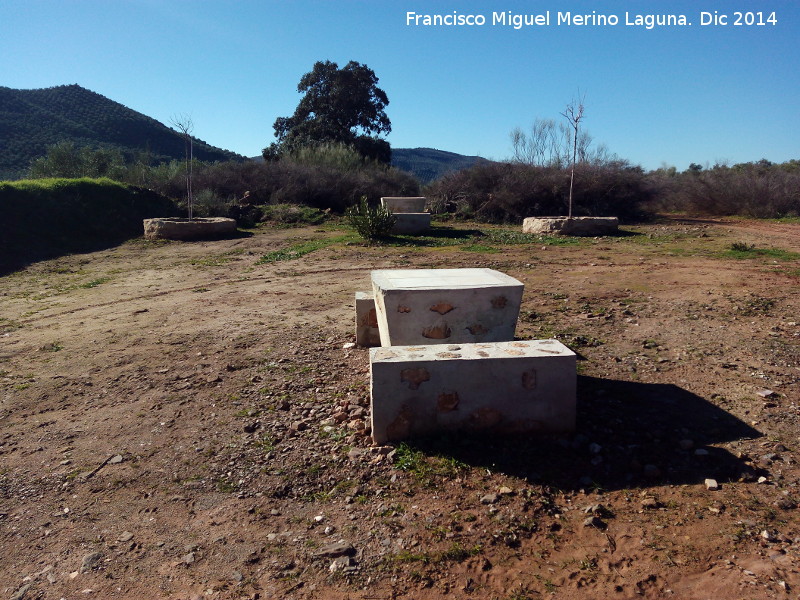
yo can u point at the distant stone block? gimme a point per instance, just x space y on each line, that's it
575 226
367 332
498 388
444 306
411 223
404 204
173 228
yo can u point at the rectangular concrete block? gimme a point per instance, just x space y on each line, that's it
367 332
404 204
411 223
502 387
441 306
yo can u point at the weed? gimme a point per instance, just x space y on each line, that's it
52 347
94 282
299 250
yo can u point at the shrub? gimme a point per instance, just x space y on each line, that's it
508 192
371 222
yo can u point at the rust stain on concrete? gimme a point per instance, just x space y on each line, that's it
447 402
437 332
442 308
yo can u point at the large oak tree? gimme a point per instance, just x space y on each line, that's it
343 106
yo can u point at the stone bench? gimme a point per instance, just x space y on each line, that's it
404 204
440 306
497 388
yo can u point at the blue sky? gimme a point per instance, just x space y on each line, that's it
671 95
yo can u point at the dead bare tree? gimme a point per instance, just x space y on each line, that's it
574 115
184 124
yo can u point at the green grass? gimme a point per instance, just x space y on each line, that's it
299 250
739 250
94 282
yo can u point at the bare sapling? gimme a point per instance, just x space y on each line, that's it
184 124
574 115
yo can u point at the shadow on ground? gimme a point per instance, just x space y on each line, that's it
628 435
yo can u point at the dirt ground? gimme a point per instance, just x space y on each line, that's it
183 420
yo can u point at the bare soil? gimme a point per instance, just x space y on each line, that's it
180 420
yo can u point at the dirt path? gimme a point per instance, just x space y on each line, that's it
183 421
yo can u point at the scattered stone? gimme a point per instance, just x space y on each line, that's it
188 559
489 499
711 484
762 479
701 452
116 459
505 491
335 550
348 346
651 504
90 561
330 530
319 518
20 593
343 563
595 448
768 536
251 427
785 503
766 393
125 536
595 522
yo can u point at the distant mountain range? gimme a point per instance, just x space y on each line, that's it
32 120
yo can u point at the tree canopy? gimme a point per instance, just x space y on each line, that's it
343 106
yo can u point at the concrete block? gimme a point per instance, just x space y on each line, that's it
404 204
445 306
502 387
367 332
411 223
573 226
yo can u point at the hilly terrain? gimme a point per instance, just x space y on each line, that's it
428 164
32 120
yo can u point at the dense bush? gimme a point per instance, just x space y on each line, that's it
370 222
761 189
509 192
48 217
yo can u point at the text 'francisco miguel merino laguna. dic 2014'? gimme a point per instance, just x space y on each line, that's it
593 19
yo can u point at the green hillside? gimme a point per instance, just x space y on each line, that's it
32 120
428 164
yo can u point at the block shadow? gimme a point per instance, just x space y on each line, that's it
628 435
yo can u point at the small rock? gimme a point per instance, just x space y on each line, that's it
125 536
785 503
701 452
348 346
489 499
711 484
90 561
765 393
319 518
768 536
20 593
188 559
594 521
251 427
335 550
595 448
762 479
341 563
116 459
330 530
505 491
650 504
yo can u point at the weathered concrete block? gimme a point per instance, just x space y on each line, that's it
404 204
174 228
573 226
441 306
367 332
411 223
502 387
